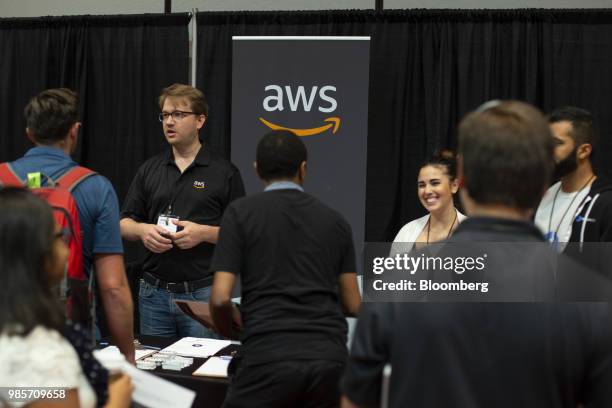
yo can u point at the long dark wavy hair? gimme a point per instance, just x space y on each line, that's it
27 234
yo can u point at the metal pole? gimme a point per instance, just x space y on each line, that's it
379 5
167 6
194 46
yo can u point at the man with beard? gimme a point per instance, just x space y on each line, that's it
578 208
475 353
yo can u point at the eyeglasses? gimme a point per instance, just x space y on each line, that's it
176 115
65 234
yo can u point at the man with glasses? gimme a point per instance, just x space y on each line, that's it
174 206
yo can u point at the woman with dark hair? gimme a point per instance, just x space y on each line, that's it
33 350
436 185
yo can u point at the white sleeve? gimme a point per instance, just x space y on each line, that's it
402 243
404 233
41 359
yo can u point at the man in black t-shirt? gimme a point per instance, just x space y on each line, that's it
490 354
174 207
296 262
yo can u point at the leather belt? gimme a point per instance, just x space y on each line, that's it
176 287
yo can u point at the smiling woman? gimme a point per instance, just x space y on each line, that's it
436 185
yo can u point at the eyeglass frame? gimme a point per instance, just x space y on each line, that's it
183 115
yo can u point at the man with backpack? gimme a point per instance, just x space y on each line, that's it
53 126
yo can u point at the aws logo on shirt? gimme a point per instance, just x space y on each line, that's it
301 99
199 184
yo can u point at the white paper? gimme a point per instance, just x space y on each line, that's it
112 350
195 347
154 392
214 367
111 359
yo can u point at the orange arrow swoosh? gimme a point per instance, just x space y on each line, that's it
307 132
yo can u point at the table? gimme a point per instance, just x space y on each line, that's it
210 392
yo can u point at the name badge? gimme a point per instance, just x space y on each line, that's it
165 221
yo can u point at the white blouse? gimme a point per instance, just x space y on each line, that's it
43 358
408 234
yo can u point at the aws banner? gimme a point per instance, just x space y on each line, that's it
318 88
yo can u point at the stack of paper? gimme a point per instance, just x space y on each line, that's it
149 390
195 347
214 367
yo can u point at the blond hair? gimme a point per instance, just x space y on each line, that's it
196 98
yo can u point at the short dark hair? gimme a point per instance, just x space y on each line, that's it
196 98
581 120
279 155
26 242
50 114
445 158
507 152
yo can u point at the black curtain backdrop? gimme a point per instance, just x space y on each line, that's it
427 69
131 59
36 54
117 64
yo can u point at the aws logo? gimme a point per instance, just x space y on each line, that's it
199 184
300 100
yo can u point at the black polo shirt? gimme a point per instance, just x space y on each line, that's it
289 249
200 194
484 354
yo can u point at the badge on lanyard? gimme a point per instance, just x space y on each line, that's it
166 222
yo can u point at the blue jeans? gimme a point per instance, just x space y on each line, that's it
159 315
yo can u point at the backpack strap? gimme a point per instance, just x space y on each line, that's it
73 177
8 177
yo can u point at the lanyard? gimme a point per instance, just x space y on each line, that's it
552 209
177 187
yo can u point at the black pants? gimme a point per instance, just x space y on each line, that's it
295 383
